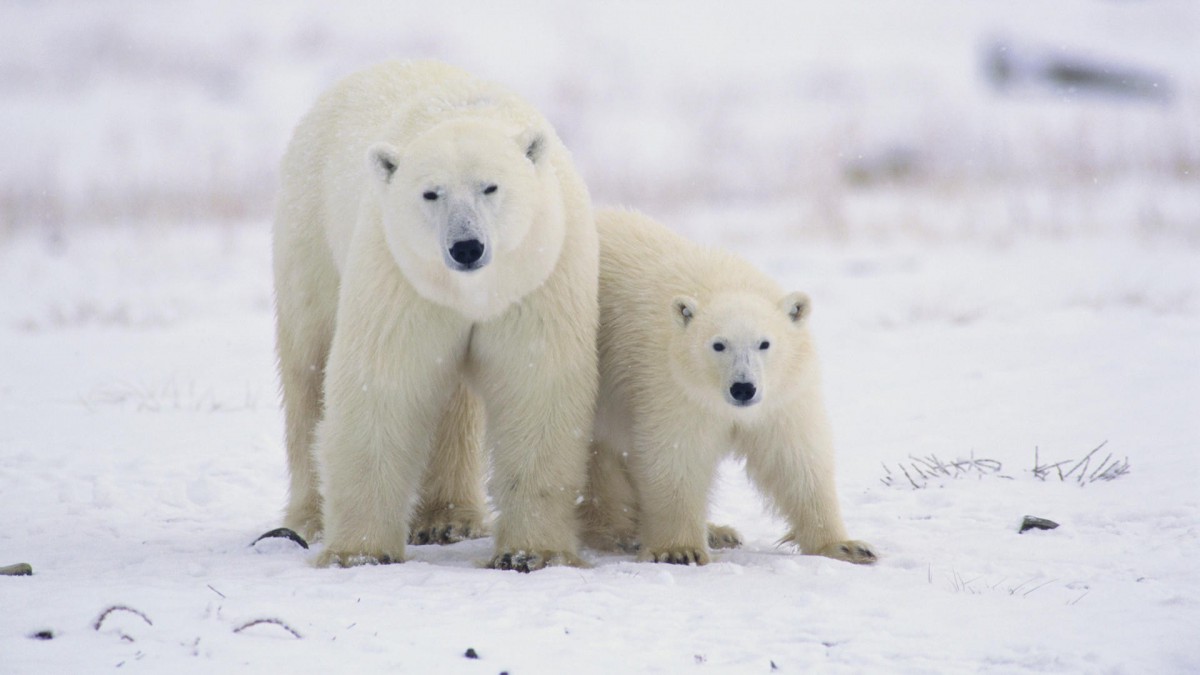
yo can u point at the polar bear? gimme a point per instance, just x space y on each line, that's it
701 354
435 262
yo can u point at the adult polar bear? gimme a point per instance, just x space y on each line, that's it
435 264
701 353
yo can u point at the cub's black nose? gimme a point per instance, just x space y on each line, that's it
467 251
742 391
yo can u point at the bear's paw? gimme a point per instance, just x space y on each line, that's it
857 552
676 555
531 561
446 526
723 536
335 558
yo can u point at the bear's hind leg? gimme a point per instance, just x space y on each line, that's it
302 410
305 306
453 505
609 508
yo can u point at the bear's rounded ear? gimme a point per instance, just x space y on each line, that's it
533 142
684 309
797 305
382 158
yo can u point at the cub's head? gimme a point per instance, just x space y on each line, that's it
739 349
471 212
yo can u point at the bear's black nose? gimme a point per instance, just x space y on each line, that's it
742 391
467 251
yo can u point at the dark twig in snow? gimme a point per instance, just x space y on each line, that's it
119 608
277 622
933 467
1108 469
1083 462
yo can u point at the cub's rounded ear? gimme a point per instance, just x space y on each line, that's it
684 309
383 160
797 305
533 142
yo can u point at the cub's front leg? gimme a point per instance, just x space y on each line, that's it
792 463
673 465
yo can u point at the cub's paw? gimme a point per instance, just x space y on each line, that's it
446 526
723 536
334 558
857 552
531 561
676 555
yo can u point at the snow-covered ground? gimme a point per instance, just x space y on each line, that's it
994 274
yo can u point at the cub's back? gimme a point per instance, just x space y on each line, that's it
644 265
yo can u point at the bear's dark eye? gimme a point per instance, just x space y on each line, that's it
490 189
718 346
430 196
764 345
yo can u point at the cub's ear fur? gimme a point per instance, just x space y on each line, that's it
534 144
684 309
797 305
383 160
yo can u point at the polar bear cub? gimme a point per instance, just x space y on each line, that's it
435 265
701 354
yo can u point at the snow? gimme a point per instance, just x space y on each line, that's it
993 276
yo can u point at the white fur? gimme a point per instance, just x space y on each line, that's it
391 353
666 415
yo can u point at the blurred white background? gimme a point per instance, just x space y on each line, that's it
867 119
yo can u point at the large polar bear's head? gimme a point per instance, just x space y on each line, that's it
472 212
738 350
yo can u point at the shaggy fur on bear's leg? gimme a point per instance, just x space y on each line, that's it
453 505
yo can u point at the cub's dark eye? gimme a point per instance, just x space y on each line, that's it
718 346
764 345
430 196
490 189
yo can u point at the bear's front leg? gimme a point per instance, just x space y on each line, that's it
791 461
673 464
538 381
392 369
